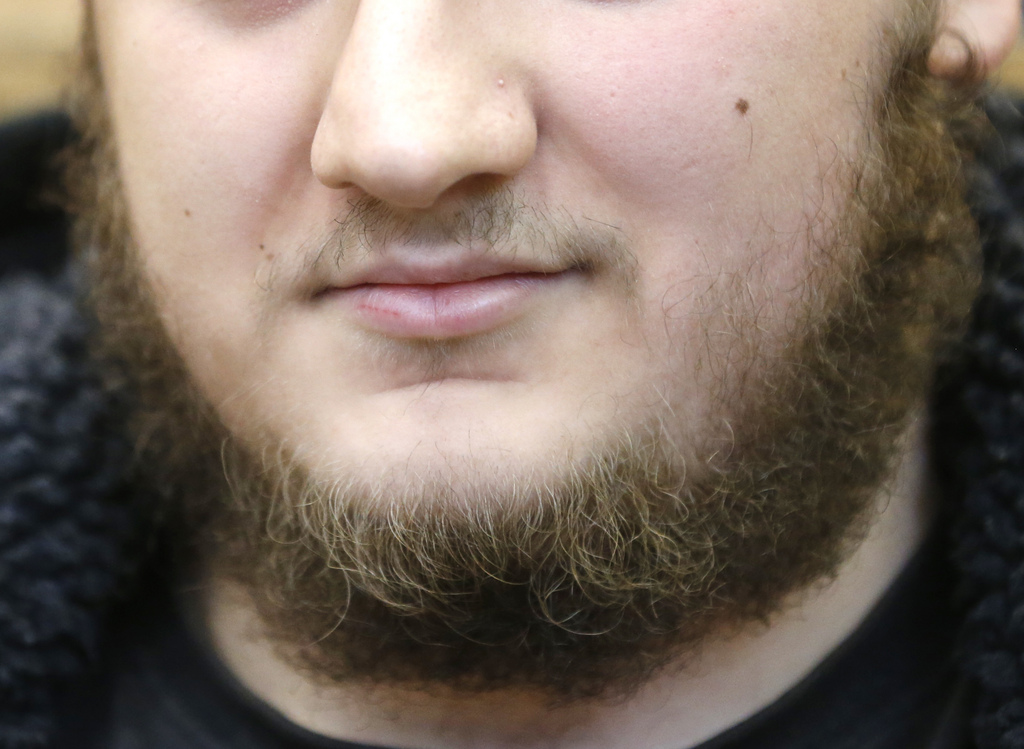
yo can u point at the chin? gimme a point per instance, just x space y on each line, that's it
450 456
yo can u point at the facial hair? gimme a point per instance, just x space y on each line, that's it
585 585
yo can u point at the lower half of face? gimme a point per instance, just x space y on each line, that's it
676 271
685 172
569 362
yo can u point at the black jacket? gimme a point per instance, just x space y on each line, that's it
72 534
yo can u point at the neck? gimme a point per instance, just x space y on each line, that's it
729 680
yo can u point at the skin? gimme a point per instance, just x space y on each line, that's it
231 142
237 151
711 136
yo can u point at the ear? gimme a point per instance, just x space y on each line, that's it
988 28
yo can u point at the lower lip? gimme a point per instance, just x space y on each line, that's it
446 310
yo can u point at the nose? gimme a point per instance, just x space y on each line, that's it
424 97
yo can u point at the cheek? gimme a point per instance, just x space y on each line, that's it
213 131
638 121
714 134
713 118
213 139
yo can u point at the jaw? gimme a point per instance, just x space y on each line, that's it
735 673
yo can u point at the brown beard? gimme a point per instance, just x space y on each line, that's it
587 586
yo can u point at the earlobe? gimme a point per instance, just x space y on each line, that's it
978 31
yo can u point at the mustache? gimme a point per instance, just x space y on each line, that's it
498 221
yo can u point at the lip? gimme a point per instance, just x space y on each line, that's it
452 309
441 295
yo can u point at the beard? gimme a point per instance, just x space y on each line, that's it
619 562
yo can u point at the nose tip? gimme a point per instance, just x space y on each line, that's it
411 156
424 95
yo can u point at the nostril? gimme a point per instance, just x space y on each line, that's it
399 170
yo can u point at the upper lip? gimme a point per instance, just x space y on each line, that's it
428 269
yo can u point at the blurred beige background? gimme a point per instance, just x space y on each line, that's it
36 36
35 39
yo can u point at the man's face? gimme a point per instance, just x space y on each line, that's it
687 152
462 266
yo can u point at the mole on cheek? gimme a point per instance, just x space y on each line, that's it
742 106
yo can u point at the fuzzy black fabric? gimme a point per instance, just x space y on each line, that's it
979 420
33 230
65 526
71 534
69 530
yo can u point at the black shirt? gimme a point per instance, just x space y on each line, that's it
891 685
